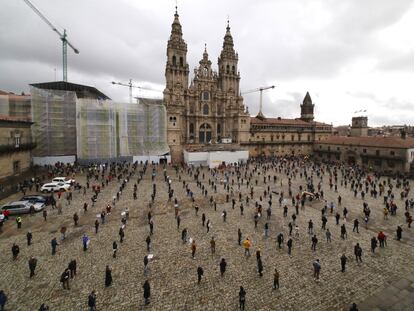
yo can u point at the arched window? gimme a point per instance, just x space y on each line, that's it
233 70
204 133
191 128
205 109
228 68
174 60
218 129
205 95
181 61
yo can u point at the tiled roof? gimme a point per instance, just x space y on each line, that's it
369 141
280 121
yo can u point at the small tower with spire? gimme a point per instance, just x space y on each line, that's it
306 109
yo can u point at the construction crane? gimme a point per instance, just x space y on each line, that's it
260 89
62 36
130 85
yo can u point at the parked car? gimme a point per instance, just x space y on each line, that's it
37 199
65 180
54 186
21 207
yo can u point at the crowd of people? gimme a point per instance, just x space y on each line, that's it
289 184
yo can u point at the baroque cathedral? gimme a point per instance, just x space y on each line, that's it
209 109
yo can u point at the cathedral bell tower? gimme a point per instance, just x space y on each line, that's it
227 64
175 92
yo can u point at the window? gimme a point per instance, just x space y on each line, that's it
271 138
337 148
16 167
181 61
228 69
174 60
17 140
364 150
191 128
205 95
309 137
292 137
392 153
173 119
205 109
283 137
233 70
329 148
218 128
377 152
191 108
299 137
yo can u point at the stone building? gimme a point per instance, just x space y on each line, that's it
15 146
384 154
207 108
278 136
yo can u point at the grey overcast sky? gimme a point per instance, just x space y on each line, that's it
349 54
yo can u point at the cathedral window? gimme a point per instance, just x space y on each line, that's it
233 70
181 61
228 69
174 60
205 109
205 95
191 128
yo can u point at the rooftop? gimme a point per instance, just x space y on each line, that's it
82 91
280 121
370 141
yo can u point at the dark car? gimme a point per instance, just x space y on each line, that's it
37 199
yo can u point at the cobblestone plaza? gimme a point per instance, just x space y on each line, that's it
383 281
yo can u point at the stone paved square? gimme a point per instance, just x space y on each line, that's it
172 272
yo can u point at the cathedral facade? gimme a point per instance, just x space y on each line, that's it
208 108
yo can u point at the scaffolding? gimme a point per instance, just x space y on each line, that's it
110 130
54 117
96 128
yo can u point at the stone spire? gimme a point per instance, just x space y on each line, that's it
205 54
306 109
228 45
176 30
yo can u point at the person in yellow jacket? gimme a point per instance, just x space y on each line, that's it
19 222
247 244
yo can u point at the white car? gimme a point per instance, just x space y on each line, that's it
65 180
55 186
22 207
